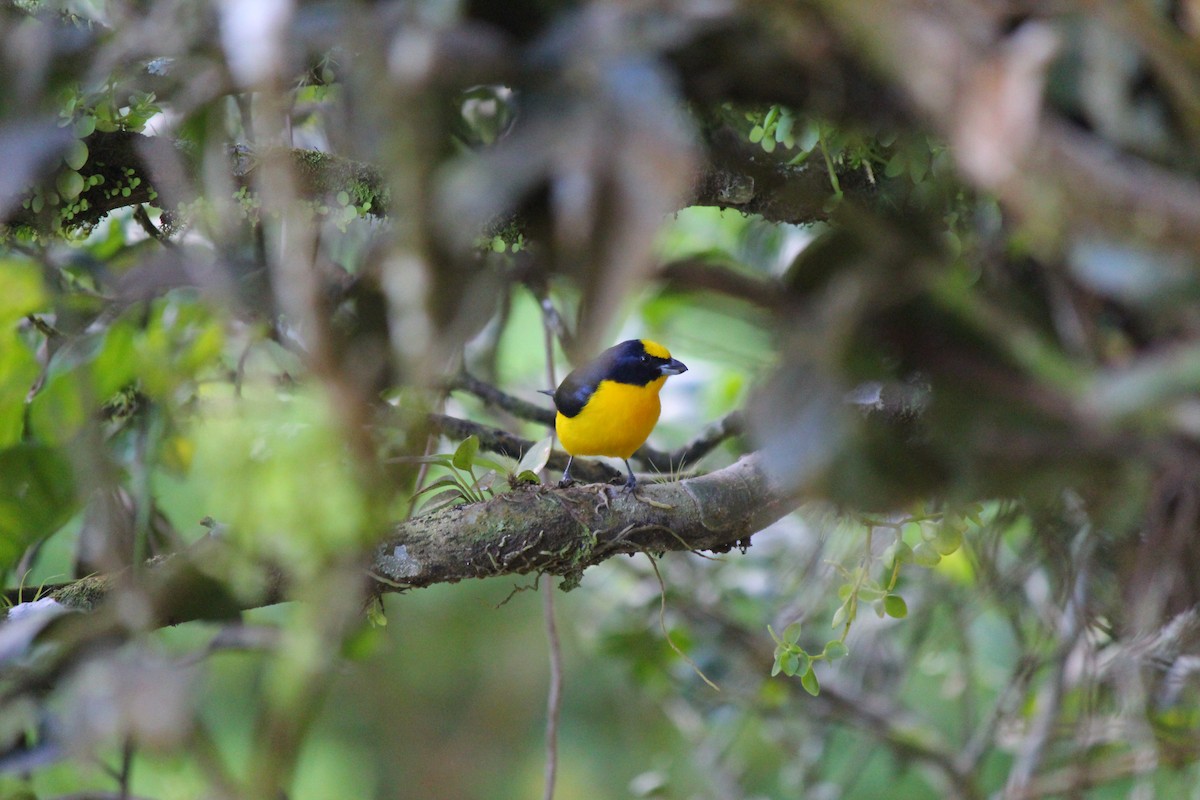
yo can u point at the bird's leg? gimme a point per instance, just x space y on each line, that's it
631 482
567 480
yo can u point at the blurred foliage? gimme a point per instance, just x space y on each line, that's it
245 247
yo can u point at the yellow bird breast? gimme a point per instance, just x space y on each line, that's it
616 420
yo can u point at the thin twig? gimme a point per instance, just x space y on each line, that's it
221 784
1071 627
492 396
554 693
126 769
662 623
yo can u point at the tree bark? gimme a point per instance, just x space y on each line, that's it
531 529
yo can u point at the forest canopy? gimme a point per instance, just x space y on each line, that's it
280 283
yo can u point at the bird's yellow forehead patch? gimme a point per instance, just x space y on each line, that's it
655 349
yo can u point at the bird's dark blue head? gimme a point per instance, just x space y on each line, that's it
639 361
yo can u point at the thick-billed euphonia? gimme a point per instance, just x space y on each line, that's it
608 406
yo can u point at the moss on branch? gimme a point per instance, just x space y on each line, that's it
564 531
535 529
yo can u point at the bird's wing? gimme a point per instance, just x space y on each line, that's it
577 388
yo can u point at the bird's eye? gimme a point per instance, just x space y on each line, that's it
645 358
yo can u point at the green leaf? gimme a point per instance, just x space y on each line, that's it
69 184
534 459
790 662
895 607
37 496
525 476
870 591
21 289
116 360
436 459
57 413
810 683
450 497
783 130
492 464
948 539
376 615
77 155
756 134
839 616
791 634
440 483
925 555
464 456
18 370
918 168
835 650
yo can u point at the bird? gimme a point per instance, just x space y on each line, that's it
608 406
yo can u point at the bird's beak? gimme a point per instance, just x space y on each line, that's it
673 367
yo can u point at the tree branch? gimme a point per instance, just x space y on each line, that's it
492 396
564 531
534 529
138 169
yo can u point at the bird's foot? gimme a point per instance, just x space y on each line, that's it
566 482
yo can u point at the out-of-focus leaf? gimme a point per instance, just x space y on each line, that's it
835 650
925 555
21 289
28 148
810 683
534 459
180 339
798 421
441 483
998 117
464 455
563 142
895 607
1128 273
1147 384
947 539
23 623
18 371
116 362
37 495
276 472
134 695
57 412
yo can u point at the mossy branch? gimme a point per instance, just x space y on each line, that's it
528 530
126 169
564 531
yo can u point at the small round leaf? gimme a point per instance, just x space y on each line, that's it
895 607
